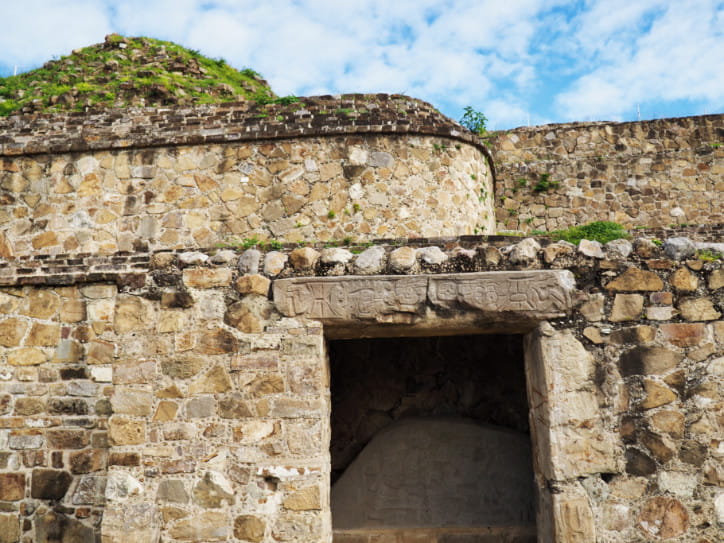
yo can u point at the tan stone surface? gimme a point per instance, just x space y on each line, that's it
683 334
716 279
574 521
12 331
663 518
684 281
249 528
9 528
130 314
305 499
28 356
634 279
207 526
253 284
627 307
124 431
698 309
656 395
206 277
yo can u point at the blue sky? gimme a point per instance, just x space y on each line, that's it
519 61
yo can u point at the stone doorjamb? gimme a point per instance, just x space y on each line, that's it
559 371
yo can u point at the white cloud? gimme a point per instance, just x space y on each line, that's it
574 60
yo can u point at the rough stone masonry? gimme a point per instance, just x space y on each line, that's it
152 389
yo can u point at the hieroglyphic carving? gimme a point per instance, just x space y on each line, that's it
540 291
546 292
350 298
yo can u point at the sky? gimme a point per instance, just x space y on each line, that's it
520 62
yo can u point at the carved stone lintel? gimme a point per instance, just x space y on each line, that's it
530 294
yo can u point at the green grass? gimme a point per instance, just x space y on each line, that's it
601 231
146 72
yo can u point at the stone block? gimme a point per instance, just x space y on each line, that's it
29 406
684 281
304 258
123 431
123 523
682 334
249 528
100 352
634 279
41 304
698 309
305 499
12 486
716 279
253 284
130 314
659 313
202 527
207 277
136 372
663 517
68 351
656 394
217 341
66 438
26 356
201 407
592 310
645 360
129 401
43 335
172 490
88 460
12 331
627 307
214 381
9 528
214 491
49 484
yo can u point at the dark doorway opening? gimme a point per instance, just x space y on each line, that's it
466 392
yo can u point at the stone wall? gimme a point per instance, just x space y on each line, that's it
359 167
189 399
648 174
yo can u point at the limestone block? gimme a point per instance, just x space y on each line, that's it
627 307
206 277
574 520
125 522
43 335
305 499
656 394
12 331
634 279
40 304
370 261
130 314
304 258
28 356
716 279
253 284
249 528
618 249
659 313
274 262
679 248
12 486
593 249
524 253
663 517
592 310
49 484
206 526
214 381
648 360
124 431
402 259
129 401
431 255
683 334
9 528
214 491
684 281
698 309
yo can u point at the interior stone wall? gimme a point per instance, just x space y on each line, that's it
640 174
375 382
